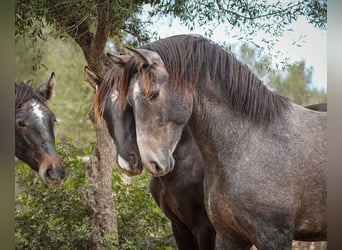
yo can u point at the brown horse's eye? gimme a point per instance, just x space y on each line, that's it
21 124
153 95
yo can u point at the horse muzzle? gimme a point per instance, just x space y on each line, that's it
160 167
52 172
132 167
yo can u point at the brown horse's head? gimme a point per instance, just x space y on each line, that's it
34 135
119 120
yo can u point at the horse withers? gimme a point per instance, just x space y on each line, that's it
266 157
180 193
34 135
323 107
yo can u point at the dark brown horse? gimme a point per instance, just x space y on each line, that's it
180 193
34 135
266 158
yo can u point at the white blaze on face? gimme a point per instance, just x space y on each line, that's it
123 163
37 111
114 96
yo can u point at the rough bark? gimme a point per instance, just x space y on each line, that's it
100 198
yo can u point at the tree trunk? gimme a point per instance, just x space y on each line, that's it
101 198
99 173
99 168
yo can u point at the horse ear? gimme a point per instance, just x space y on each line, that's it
46 90
120 60
93 79
147 58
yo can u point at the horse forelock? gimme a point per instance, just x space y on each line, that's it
105 90
24 93
128 71
192 60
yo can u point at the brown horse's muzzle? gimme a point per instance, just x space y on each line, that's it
52 172
132 167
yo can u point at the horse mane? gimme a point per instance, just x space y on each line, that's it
194 60
25 92
104 91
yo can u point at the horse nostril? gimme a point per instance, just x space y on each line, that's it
155 166
49 171
61 173
56 173
133 160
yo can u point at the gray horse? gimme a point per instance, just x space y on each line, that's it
266 157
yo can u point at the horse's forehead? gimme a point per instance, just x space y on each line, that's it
38 110
161 69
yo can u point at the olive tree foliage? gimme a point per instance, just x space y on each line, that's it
92 22
89 23
253 16
244 19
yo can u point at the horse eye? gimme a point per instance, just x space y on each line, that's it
153 95
21 124
145 66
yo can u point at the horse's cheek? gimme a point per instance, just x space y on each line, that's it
183 112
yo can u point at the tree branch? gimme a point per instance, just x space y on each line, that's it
103 27
101 35
78 28
280 12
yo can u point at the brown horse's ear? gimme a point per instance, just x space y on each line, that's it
147 58
46 90
120 60
93 79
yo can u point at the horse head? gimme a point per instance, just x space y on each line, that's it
119 120
34 134
158 125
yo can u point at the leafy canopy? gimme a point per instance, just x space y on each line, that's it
78 17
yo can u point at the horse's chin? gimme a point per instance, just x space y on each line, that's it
53 184
50 183
131 172
127 168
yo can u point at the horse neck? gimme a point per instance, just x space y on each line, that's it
217 129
